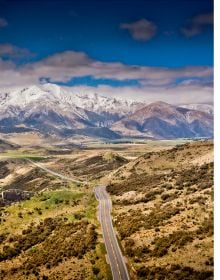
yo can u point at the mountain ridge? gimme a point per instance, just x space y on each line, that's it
54 110
162 120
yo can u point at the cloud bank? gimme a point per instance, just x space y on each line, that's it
174 85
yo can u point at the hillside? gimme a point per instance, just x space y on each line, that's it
5 145
163 211
89 167
48 226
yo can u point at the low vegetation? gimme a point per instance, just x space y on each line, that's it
52 236
49 243
93 167
163 211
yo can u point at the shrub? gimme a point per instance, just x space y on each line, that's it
95 270
176 272
176 239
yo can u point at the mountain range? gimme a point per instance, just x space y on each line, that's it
59 111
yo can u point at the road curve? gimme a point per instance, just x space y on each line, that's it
115 257
66 178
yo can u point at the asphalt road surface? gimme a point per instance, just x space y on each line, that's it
115 257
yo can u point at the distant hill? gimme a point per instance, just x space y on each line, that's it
5 145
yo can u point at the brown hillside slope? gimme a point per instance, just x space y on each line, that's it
163 211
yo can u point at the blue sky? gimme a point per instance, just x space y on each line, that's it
46 27
163 34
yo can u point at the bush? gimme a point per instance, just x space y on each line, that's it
128 224
176 239
176 272
165 196
95 270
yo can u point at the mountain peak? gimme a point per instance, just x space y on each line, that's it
160 103
158 108
50 87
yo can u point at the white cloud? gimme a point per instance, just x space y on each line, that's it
141 30
13 52
155 83
196 25
181 94
62 67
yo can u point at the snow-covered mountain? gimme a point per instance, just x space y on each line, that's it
53 110
162 120
66 98
50 109
207 108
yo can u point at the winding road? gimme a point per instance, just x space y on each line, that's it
66 178
115 257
